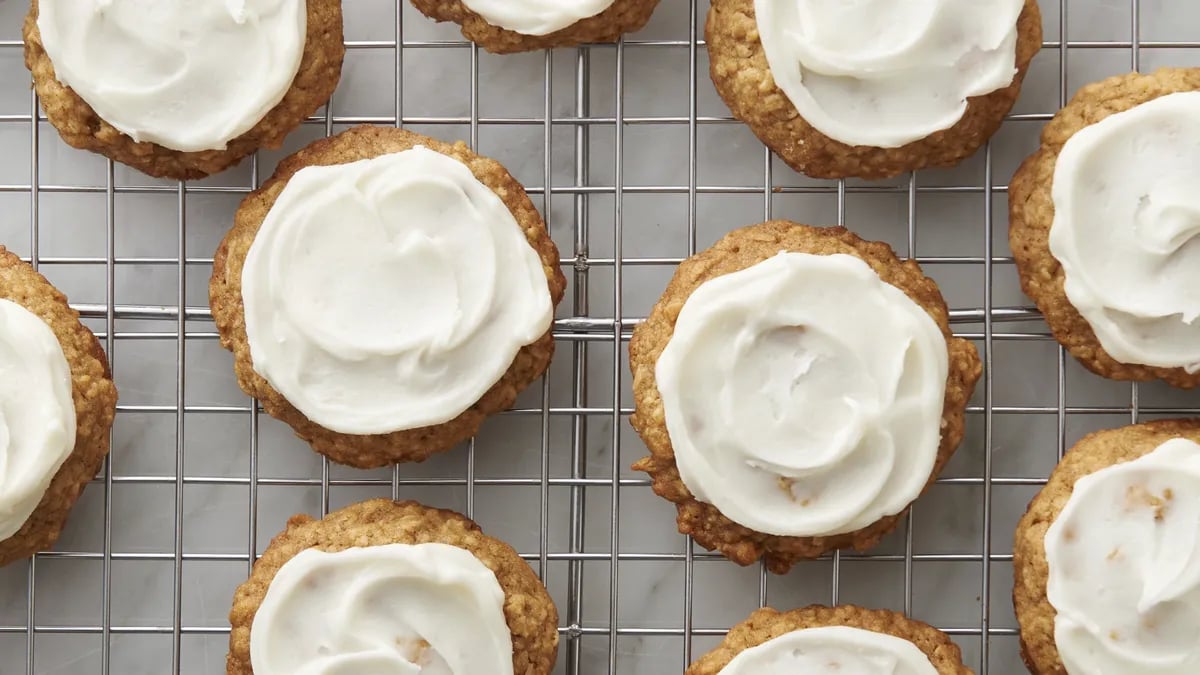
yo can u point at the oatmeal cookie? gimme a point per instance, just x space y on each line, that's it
81 127
742 75
623 16
767 624
1031 209
739 250
1031 571
374 450
94 396
528 610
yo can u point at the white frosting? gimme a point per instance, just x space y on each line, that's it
832 650
1124 558
885 73
536 17
188 76
390 293
400 609
1127 230
37 413
803 395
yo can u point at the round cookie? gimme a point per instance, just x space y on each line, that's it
92 392
768 624
742 76
528 610
1031 570
737 251
412 444
1032 213
622 16
81 127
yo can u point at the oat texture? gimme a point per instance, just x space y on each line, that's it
766 624
743 78
81 127
624 16
530 613
736 251
368 451
94 396
1093 452
1031 214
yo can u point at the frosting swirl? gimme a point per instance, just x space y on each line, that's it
536 17
37 413
832 650
1127 230
424 609
188 76
884 73
390 293
1124 567
803 395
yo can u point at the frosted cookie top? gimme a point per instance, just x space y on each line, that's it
1127 230
832 650
1124 567
37 413
884 73
404 609
536 17
390 293
189 76
803 395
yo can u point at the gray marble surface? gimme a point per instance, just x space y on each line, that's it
220 449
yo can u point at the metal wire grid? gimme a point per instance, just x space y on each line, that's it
581 336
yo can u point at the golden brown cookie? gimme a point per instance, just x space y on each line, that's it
742 77
528 609
766 624
1092 453
94 395
624 16
81 127
736 251
368 451
1031 214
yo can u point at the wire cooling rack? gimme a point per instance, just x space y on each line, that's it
637 164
